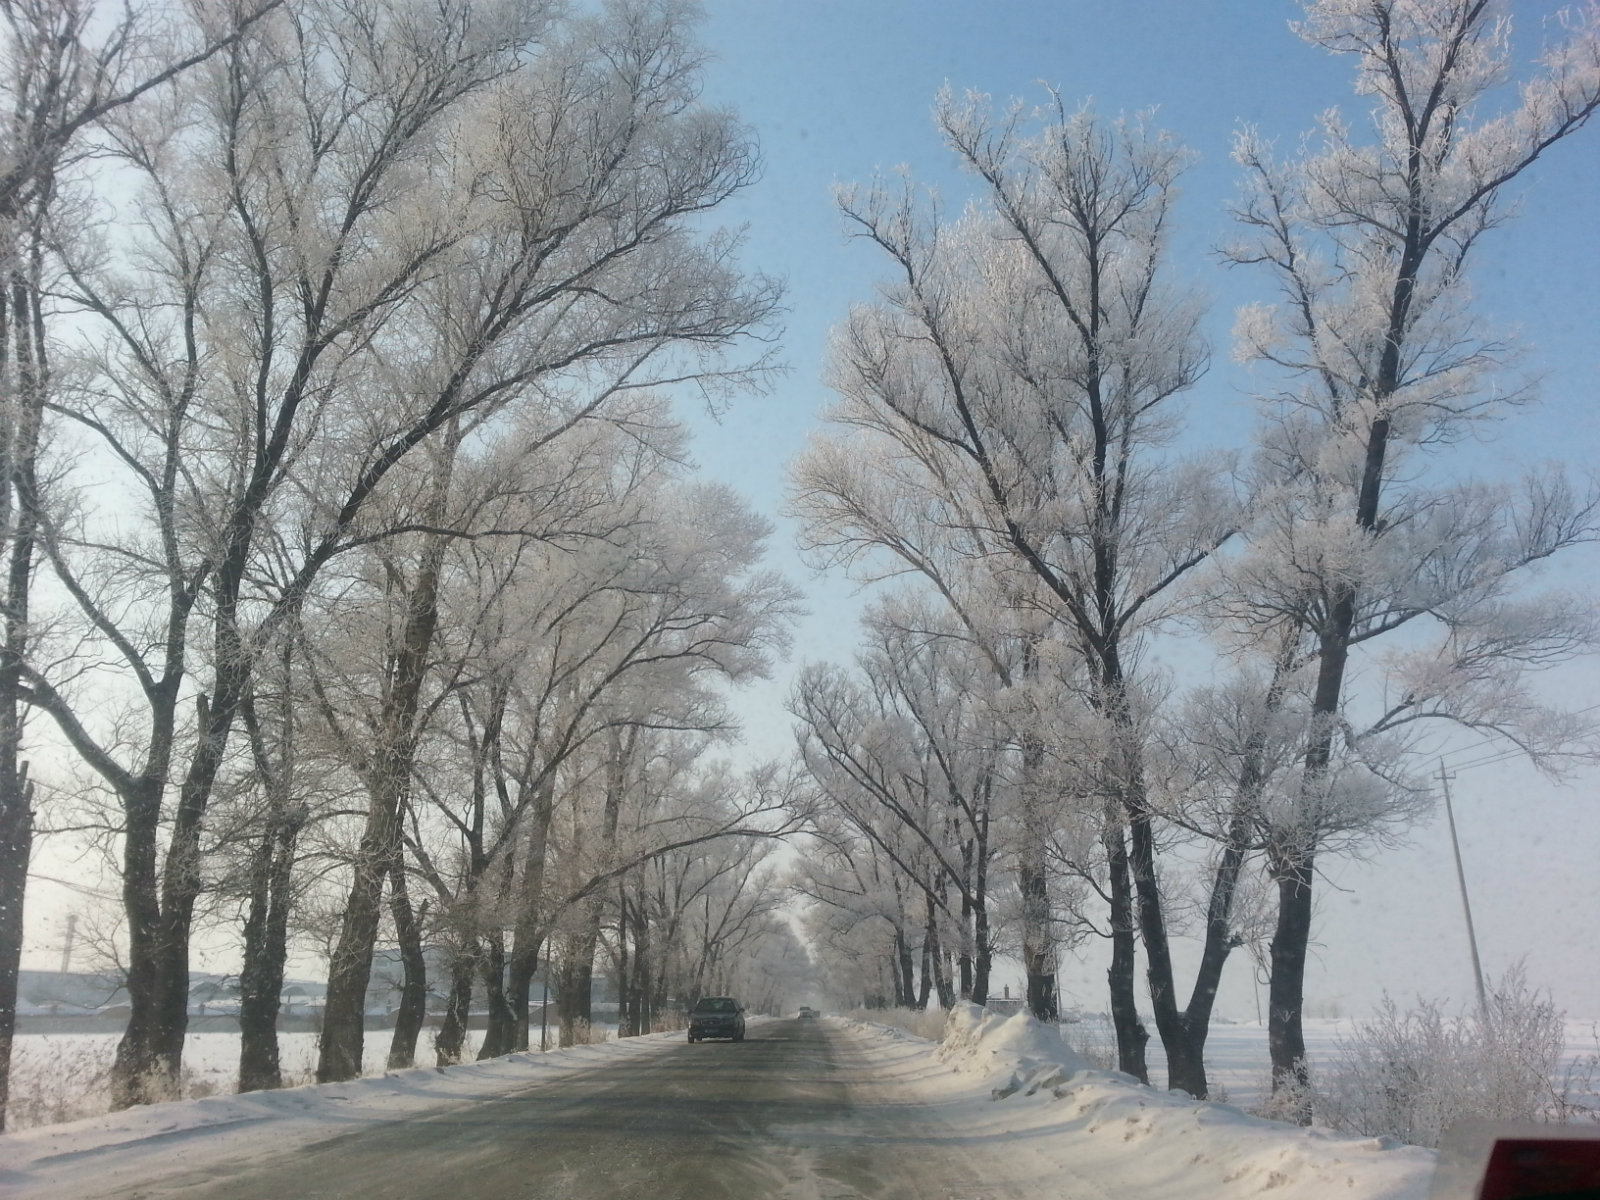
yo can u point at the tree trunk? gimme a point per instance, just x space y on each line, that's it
519 986
925 981
527 934
976 900
979 993
964 959
148 1063
266 949
661 990
576 977
452 1039
167 1024
644 1014
1038 932
941 979
350 969
1186 1070
414 986
931 956
1038 944
1131 1033
501 1035
1292 865
905 980
578 968
141 1072
625 1016
387 785
1286 989
16 839
1185 1062
23 380
150 1058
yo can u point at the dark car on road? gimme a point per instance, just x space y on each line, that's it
717 1017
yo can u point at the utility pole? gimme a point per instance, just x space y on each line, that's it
544 1005
66 948
1466 906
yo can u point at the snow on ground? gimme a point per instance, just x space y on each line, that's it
1066 1128
58 1077
72 1160
1238 1061
1074 1130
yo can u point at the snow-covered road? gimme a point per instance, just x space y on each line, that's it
801 1109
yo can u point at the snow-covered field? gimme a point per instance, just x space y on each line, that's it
59 1077
1237 1061
1238 1066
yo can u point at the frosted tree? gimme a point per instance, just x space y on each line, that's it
662 900
438 596
856 919
64 65
695 918
912 751
532 495
478 792
684 605
613 616
742 898
777 967
1369 238
1020 380
289 787
366 229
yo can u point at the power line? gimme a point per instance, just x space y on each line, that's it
1498 755
82 888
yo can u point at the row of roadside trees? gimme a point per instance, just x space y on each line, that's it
1006 448
353 562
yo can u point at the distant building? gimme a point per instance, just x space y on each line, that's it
64 1001
63 993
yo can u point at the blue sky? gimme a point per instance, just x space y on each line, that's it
837 90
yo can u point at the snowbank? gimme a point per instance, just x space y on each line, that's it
1025 1053
1014 1078
71 1159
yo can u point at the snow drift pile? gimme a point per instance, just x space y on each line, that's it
1104 1130
141 1144
1028 1054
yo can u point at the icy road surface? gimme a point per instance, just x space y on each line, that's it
798 1110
